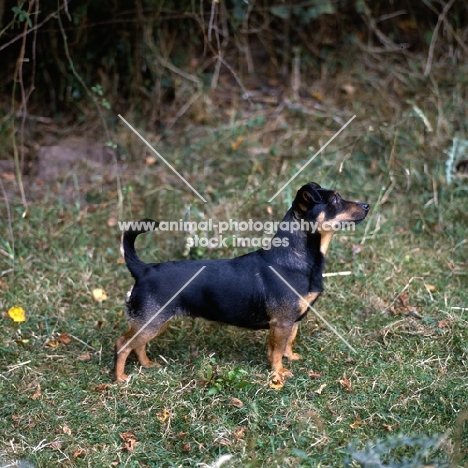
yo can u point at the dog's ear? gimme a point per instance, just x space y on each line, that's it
307 196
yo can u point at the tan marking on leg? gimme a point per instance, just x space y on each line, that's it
277 343
138 345
289 354
140 351
304 303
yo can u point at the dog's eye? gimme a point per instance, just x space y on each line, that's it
335 199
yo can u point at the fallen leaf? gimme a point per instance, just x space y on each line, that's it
402 305
237 403
79 453
17 314
348 89
235 144
430 287
163 415
389 427
84 357
99 295
356 424
443 324
150 160
66 430
52 343
187 447
240 432
224 443
37 393
346 383
314 375
318 96
120 261
320 389
56 445
64 338
129 441
102 387
403 299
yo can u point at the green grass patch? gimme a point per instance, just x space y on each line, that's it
403 308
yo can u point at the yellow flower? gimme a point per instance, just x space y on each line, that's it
99 295
17 314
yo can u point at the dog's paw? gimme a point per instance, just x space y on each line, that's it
293 356
121 378
148 364
278 378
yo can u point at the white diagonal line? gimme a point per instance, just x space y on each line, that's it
162 159
161 309
333 329
312 158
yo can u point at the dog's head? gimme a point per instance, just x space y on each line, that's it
326 208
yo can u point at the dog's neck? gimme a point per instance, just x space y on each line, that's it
311 246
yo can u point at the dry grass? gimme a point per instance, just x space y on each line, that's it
404 307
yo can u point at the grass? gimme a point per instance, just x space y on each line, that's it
403 308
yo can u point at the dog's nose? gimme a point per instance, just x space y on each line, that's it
365 206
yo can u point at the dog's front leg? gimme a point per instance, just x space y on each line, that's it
289 353
280 336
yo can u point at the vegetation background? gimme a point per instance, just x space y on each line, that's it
237 96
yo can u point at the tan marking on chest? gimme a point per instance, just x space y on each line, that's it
325 236
325 239
304 303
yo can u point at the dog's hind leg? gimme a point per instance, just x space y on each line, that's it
135 340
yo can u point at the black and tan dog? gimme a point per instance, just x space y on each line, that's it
248 291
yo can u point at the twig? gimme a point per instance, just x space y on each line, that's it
221 49
390 15
9 221
82 342
213 12
184 109
98 107
430 54
167 64
449 27
18 156
37 26
245 38
372 24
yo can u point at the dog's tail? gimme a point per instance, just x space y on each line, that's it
127 247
